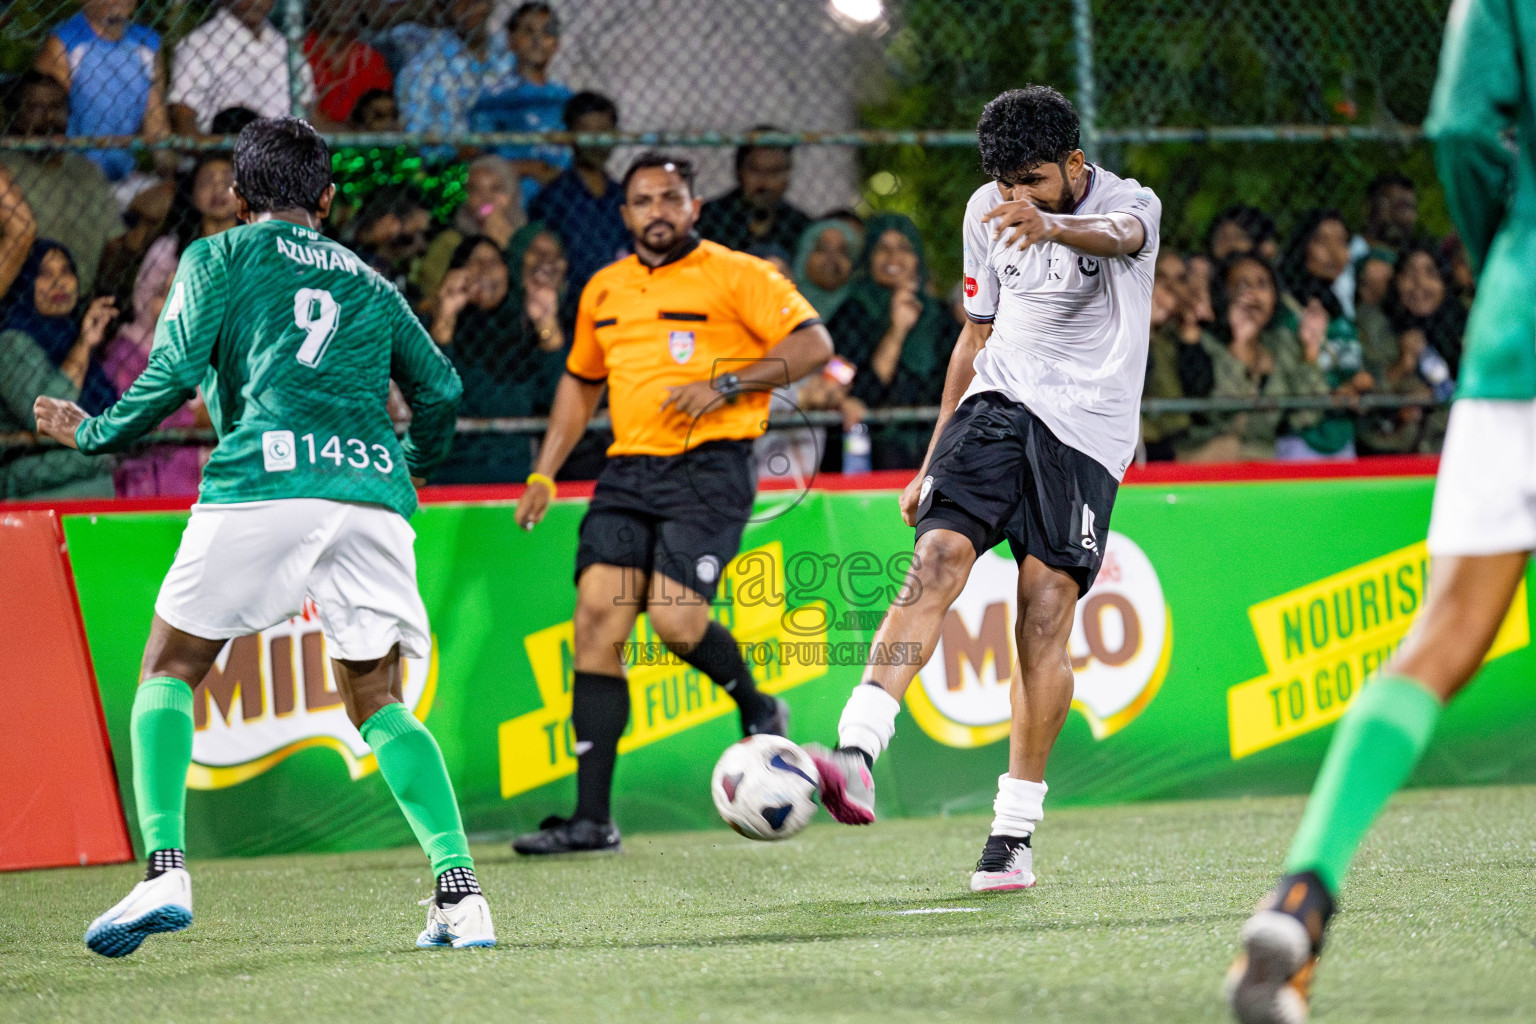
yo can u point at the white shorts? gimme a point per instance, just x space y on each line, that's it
245 567
1485 496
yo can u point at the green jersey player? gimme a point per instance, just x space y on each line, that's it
1483 524
294 343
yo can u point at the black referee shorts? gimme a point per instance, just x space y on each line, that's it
679 515
997 471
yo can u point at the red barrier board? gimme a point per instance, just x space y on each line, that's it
58 794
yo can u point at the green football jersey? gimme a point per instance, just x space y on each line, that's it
1485 87
294 341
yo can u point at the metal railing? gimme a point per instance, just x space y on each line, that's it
894 416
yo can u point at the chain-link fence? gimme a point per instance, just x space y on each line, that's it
459 179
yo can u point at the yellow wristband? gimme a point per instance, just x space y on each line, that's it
540 478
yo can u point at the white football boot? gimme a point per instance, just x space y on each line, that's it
847 787
1007 862
467 923
162 904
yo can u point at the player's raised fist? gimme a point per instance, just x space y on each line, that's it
58 419
1020 223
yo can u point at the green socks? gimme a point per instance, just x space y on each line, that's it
1376 747
408 758
162 751
412 765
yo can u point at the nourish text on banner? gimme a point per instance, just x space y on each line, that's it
1323 641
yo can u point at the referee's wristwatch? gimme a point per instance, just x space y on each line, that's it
728 385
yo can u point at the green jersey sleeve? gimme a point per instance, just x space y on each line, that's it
184 340
1476 100
431 386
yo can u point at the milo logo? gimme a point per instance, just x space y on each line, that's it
272 694
1120 645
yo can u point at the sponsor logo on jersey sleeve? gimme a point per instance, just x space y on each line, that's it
970 287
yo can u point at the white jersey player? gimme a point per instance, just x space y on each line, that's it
1038 424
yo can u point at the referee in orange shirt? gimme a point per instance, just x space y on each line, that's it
690 337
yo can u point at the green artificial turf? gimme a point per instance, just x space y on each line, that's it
1134 919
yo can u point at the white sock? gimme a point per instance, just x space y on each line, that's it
1019 806
869 719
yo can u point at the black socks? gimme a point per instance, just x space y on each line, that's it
454 884
162 861
717 656
599 713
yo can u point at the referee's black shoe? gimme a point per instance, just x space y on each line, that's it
562 835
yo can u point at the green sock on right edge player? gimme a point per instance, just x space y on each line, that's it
1483 526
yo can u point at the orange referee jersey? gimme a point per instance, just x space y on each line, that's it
713 311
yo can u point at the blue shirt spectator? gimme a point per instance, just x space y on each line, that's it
111 68
582 204
438 85
530 102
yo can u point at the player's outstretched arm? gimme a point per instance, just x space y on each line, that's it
184 339
575 401
1023 224
1476 97
962 369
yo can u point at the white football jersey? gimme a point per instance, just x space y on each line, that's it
1069 336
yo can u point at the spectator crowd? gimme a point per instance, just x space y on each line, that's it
90 240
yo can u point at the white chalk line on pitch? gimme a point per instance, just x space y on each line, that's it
931 910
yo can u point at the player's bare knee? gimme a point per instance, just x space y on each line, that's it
1442 672
679 626
364 697
177 655
598 616
942 561
1043 626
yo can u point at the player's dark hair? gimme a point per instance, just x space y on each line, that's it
281 163
1254 222
534 7
588 103
1221 298
650 158
1389 179
1024 128
744 151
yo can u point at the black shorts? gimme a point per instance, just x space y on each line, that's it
679 515
997 472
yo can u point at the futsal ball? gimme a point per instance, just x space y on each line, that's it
765 787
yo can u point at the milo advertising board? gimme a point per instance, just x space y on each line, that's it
1229 627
